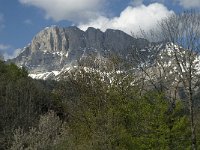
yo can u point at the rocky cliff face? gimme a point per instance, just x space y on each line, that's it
54 47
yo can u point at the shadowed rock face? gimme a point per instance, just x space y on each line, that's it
55 47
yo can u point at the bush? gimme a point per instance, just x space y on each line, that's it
46 136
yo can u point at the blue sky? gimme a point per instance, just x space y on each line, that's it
21 20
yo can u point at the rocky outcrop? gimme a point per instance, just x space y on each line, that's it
56 47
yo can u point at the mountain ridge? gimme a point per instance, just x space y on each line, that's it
54 48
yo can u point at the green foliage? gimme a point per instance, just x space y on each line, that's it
116 116
12 72
92 110
158 127
21 99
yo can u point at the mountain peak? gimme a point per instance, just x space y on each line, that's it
50 39
52 26
93 29
73 28
55 47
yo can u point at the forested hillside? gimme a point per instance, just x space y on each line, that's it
87 110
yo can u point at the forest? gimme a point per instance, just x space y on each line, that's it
86 110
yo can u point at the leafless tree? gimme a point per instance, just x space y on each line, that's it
181 35
182 32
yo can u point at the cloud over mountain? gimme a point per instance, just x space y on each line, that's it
86 13
6 53
73 10
132 19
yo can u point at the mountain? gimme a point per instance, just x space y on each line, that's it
55 48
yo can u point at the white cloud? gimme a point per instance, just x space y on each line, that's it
132 19
4 47
189 3
73 10
14 54
86 13
7 54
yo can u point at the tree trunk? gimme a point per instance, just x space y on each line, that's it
192 125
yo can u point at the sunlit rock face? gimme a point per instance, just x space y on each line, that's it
55 48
